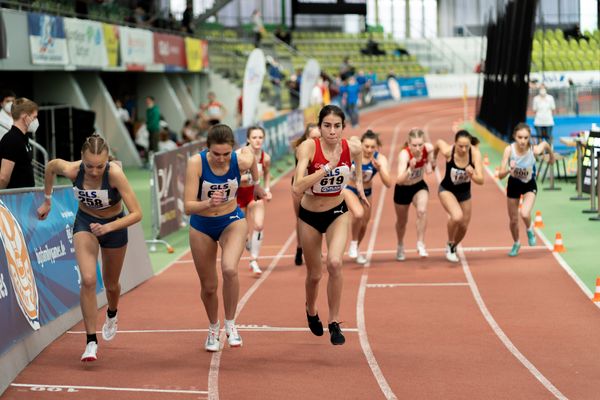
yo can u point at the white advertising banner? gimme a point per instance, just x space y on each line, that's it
310 76
85 41
557 79
47 40
452 86
253 80
137 46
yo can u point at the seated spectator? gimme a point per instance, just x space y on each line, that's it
399 51
372 48
212 112
164 141
346 69
189 133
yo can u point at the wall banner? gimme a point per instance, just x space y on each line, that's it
47 40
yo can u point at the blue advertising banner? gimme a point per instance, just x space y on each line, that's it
277 142
413 87
47 39
39 275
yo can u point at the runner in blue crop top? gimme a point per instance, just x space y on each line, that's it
101 188
463 165
518 162
211 183
375 162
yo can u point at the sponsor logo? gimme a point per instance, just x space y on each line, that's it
3 288
327 189
19 267
50 254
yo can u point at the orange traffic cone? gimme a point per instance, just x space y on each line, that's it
538 223
558 244
486 160
596 297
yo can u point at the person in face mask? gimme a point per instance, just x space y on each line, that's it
7 98
16 153
543 106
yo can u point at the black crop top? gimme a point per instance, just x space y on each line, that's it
456 179
99 199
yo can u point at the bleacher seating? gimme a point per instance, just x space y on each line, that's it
553 52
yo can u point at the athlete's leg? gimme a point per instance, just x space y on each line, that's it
256 210
112 264
311 245
401 219
526 207
512 206
455 214
420 202
336 236
204 253
232 245
86 252
461 229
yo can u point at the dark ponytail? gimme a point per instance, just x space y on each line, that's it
462 133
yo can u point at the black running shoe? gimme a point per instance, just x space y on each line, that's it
298 259
315 324
337 338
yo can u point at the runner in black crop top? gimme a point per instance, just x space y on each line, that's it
104 197
456 179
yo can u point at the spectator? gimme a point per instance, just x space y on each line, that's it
142 140
187 23
152 122
16 154
189 133
275 76
316 95
294 88
131 107
213 112
372 48
350 93
124 117
346 69
165 143
543 105
7 98
284 35
240 109
399 51
257 27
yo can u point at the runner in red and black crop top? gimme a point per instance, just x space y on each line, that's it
463 165
312 131
328 161
414 161
255 208
101 188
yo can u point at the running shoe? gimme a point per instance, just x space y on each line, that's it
255 268
90 352
361 259
421 250
298 258
212 343
515 249
451 254
353 251
315 324
400 253
109 329
337 338
233 337
531 237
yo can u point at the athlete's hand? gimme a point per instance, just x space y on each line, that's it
513 165
100 229
375 163
363 199
412 163
470 170
260 193
217 198
43 210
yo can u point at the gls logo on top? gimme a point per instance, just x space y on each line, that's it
19 267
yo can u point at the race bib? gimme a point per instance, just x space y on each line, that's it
458 176
333 182
230 187
415 174
523 174
96 198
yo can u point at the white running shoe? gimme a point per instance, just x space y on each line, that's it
109 329
90 352
361 259
212 343
451 255
400 253
352 251
421 250
255 268
233 337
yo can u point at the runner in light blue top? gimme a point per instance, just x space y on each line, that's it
518 161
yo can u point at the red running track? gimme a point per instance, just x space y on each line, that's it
491 327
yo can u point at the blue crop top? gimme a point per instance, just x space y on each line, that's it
368 170
209 182
99 199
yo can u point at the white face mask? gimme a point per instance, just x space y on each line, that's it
543 92
33 126
7 107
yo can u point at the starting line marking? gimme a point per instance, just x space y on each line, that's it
394 285
72 389
246 328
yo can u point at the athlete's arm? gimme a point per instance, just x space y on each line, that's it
119 181
301 181
443 147
267 175
431 161
6 169
384 170
356 153
55 167
477 175
504 167
544 146
403 168
246 160
191 204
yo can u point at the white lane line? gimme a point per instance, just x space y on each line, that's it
395 285
72 388
500 333
246 328
360 303
561 261
213 374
